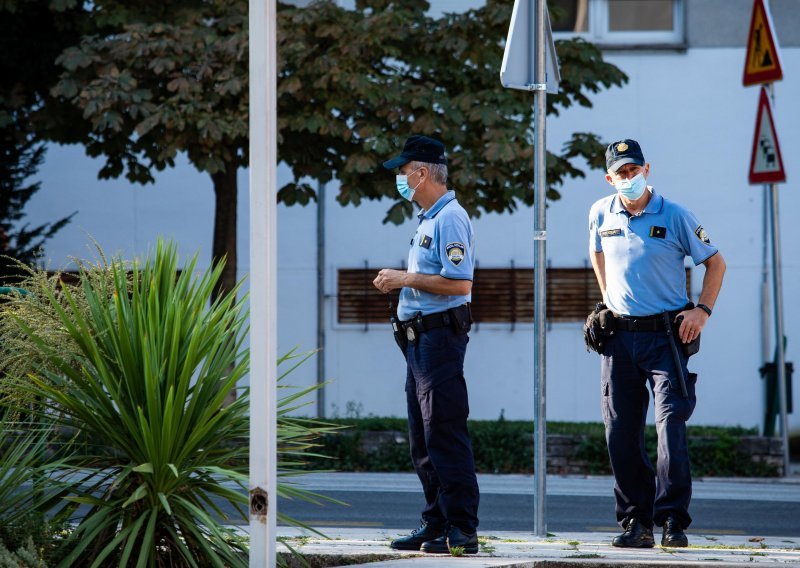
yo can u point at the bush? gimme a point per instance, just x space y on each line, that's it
140 367
506 446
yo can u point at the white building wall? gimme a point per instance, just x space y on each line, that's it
695 123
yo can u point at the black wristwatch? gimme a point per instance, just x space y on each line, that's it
705 308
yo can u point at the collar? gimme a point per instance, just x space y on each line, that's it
438 206
653 206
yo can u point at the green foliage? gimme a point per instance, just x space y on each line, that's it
144 385
506 446
24 557
350 92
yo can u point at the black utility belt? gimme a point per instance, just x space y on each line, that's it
647 323
460 319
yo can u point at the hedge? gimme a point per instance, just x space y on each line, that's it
380 444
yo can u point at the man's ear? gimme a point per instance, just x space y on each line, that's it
609 179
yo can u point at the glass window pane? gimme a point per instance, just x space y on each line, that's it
640 15
569 15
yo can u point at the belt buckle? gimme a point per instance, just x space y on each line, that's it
635 325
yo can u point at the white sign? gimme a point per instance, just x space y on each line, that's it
518 68
766 162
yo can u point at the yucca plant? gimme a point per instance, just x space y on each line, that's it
142 386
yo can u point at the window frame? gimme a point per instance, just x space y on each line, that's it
600 34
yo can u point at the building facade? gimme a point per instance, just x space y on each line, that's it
684 103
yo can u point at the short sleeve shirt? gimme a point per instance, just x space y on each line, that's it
443 244
644 254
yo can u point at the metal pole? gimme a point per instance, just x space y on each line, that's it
263 282
320 299
765 334
777 286
540 272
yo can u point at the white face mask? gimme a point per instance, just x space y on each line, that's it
632 188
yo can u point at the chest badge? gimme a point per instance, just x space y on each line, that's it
658 232
611 233
455 253
425 242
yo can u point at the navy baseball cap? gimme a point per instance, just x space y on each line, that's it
419 149
623 152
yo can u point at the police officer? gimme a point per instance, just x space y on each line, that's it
434 318
638 241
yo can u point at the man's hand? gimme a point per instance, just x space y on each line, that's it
694 321
388 280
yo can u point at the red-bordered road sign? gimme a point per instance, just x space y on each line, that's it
766 163
763 61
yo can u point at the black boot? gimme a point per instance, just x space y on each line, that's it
673 536
456 538
424 533
636 535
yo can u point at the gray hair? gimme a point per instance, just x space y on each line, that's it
438 172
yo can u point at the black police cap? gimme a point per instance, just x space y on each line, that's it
419 149
623 152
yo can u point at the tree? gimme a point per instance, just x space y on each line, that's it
355 83
32 34
18 162
352 84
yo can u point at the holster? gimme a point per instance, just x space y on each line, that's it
399 334
599 327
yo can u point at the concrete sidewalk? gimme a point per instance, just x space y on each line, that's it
370 548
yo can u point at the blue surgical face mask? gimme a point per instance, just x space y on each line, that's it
632 188
401 181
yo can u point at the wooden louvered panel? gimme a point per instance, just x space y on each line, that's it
499 295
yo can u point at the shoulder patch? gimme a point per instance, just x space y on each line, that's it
455 253
611 233
702 235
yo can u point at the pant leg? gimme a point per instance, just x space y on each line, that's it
672 410
624 400
431 512
438 368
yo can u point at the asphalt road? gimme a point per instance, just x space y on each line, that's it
574 504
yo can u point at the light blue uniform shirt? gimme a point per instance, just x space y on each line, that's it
444 245
644 254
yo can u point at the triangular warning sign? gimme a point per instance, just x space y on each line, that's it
763 62
766 163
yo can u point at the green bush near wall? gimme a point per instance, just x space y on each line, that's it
506 446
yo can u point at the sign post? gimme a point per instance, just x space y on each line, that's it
763 65
530 64
263 282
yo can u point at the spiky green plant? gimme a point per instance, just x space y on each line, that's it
143 385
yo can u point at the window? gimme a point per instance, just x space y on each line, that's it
500 295
619 22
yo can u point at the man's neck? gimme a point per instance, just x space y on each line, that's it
636 206
430 196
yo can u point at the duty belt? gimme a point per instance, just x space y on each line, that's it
419 324
645 323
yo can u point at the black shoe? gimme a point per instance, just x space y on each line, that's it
456 538
424 533
673 536
636 535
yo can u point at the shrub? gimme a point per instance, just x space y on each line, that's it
140 368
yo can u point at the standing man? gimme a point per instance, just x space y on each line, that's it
638 241
433 321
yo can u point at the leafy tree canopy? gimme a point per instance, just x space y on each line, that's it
354 84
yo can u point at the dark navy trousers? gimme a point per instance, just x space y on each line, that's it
631 361
441 451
